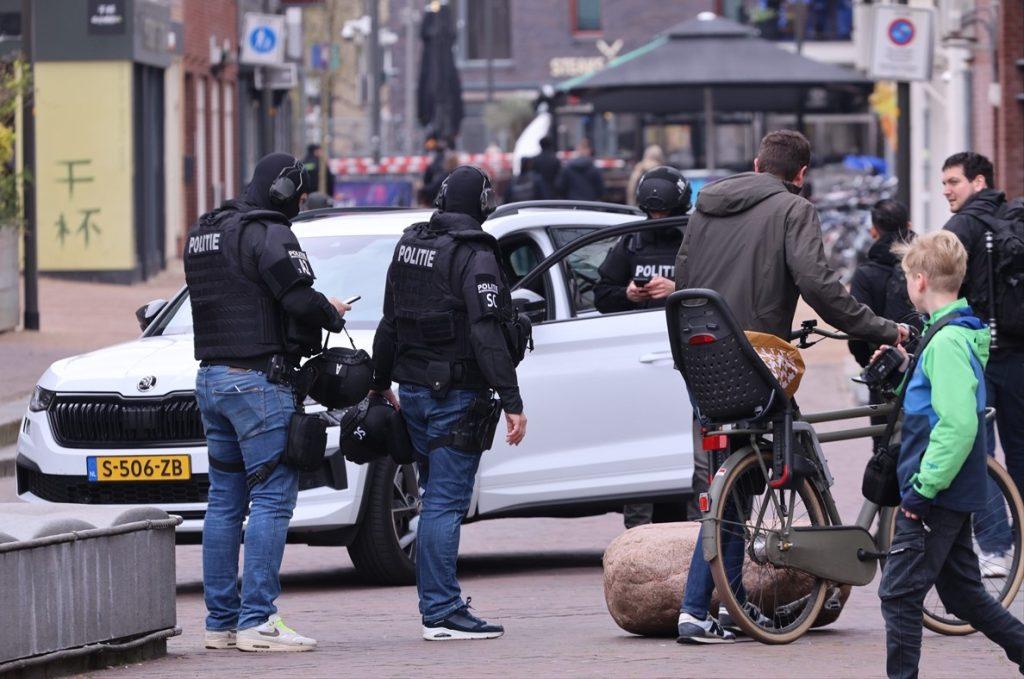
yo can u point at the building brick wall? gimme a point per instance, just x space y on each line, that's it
1010 116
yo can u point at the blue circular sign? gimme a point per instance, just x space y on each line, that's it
263 39
901 32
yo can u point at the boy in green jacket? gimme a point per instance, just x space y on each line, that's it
942 466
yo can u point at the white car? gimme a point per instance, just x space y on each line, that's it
610 420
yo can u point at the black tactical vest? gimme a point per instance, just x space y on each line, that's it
430 317
232 316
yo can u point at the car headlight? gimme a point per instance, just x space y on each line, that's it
41 399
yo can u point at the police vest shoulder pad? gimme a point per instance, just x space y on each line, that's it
267 216
472 236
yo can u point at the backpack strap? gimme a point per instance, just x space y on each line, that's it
894 416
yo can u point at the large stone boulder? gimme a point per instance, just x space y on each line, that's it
645 575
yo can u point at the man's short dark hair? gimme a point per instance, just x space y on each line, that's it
890 216
312 148
783 153
973 164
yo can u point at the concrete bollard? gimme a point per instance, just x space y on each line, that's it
80 579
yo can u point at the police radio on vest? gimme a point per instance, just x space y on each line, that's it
205 242
414 256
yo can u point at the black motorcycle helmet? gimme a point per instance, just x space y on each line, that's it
340 377
663 189
373 429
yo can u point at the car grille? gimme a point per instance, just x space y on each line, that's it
83 421
78 489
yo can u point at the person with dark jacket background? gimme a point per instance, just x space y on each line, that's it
313 162
548 166
967 184
580 179
255 314
880 282
770 239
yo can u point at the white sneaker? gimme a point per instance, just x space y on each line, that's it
696 631
219 639
995 565
273 635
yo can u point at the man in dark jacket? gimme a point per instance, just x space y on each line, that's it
880 282
967 184
771 239
580 179
547 165
313 162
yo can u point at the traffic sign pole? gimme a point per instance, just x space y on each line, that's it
903 152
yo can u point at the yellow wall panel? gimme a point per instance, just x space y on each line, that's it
84 166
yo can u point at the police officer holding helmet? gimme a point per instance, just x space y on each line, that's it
255 314
639 272
448 337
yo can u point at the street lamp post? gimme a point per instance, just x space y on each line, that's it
31 319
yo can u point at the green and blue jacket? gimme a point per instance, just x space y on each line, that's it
943 451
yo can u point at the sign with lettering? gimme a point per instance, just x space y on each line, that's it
107 17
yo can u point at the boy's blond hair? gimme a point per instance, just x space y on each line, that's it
939 256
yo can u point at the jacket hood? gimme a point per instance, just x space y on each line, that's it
974 331
738 193
453 221
881 251
984 202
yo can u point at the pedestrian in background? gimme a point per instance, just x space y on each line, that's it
548 166
653 157
445 338
256 315
942 466
967 184
313 163
580 179
527 185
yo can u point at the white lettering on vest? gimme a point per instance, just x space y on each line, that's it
204 243
423 257
652 270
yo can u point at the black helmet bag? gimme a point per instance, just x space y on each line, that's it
340 377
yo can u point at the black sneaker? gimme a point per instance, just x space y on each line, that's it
693 630
752 611
461 624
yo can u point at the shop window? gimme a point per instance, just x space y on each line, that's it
586 16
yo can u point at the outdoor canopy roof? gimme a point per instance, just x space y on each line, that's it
717 57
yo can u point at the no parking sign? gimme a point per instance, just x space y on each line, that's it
901 43
262 39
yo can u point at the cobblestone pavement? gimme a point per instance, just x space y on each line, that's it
542 579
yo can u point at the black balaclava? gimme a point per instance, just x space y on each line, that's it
257 193
462 192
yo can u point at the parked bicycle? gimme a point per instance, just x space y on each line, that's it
769 516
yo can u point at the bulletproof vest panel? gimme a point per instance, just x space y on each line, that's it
430 317
233 316
653 255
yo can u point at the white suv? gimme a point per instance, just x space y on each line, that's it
610 421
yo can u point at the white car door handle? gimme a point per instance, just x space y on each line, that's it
656 356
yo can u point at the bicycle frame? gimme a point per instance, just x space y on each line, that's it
856 573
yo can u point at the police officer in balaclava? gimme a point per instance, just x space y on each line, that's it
639 271
445 339
255 314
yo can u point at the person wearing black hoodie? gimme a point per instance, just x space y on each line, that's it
967 184
255 314
444 338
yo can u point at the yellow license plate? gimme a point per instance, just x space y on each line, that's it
139 468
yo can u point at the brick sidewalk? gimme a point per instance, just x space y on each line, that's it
77 317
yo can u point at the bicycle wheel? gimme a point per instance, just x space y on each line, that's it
1004 514
791 599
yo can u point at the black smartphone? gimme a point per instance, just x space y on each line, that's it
353 300
641 281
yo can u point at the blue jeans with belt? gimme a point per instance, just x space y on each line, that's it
246 421
446 485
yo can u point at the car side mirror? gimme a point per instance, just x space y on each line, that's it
147 312
526 301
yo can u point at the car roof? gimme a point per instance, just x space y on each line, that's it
390 221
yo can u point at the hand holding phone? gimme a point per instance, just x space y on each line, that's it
353 300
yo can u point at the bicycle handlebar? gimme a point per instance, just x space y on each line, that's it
808 328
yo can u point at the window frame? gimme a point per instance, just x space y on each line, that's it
574 16
462 39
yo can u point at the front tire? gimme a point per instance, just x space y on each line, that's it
384 549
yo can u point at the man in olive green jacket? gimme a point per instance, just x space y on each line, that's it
754 241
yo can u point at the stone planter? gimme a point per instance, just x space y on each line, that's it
10 291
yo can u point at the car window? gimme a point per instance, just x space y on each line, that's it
581 273
519 255
344 266
563 235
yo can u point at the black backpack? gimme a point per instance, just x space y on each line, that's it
1004 246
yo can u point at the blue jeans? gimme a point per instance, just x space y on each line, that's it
446 487
1004 388
700 584
246 421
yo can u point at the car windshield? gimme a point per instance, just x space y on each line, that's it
345 266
